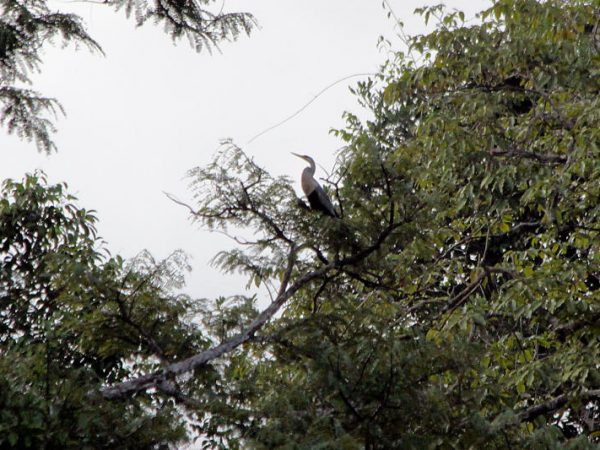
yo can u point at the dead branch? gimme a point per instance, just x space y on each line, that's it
548 158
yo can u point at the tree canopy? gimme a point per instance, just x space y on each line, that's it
72 316
455 303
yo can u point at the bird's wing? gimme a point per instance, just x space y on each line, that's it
319 199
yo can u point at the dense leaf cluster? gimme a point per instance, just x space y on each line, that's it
468 314
72 318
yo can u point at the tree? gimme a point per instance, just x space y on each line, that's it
455 304
26 26
74 318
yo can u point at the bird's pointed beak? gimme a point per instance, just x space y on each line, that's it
299 156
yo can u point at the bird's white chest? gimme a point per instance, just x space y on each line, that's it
307 181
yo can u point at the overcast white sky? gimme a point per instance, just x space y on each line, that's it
139 118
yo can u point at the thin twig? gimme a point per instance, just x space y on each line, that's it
306 105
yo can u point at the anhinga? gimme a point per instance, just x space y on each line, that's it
317 197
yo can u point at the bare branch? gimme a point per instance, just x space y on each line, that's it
540 157
563 330
181 203
460 299
553 404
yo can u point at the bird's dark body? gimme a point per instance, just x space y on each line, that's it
320 202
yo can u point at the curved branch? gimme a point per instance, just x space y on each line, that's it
459 299
564 330
286 291
553 404
187 365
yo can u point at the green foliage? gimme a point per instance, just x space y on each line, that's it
189 19
25 27
24 113
72 319
455 304
458 304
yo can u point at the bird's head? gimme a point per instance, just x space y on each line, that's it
306 158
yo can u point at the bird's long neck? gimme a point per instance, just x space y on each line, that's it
307 180
311 168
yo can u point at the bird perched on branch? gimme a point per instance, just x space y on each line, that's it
317 197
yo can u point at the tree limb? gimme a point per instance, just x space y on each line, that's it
540 157
462 297
187 365
152 380
564 330
552 405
